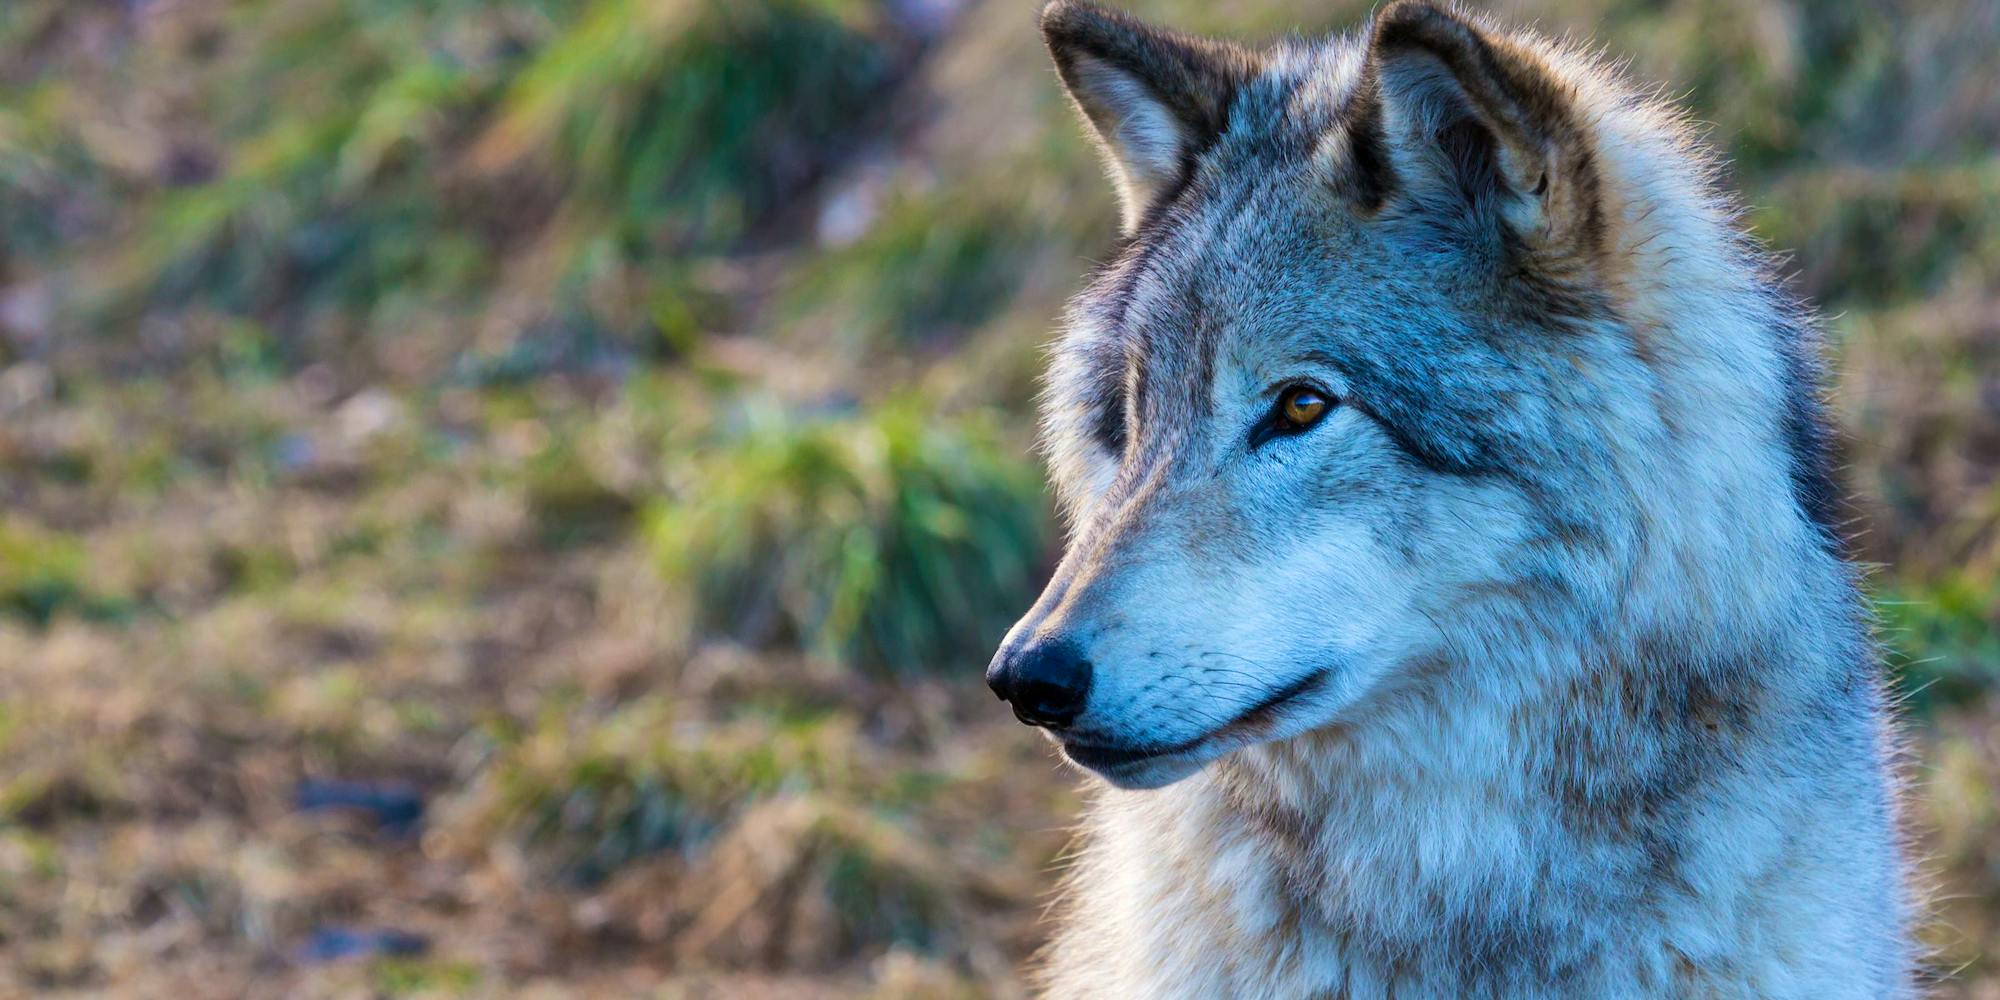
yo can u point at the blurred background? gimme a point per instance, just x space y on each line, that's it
513 497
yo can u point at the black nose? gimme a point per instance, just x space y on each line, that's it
1046 681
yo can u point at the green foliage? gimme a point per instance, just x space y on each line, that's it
395 977
927 267
1937 225
44 574
1943 649
595 795
890 539
385 164
666 113
569 500
879 901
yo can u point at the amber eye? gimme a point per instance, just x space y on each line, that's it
1302 406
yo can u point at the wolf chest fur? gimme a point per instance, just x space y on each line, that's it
1453 602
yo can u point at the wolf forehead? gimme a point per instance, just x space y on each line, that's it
1273 245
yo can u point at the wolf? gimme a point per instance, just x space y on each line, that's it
1454 600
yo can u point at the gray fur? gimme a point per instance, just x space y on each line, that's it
1535 668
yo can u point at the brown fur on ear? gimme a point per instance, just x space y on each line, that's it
1154 98
1490 109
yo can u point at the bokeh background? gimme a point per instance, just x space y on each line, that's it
512 497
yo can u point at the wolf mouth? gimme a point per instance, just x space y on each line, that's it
1249 722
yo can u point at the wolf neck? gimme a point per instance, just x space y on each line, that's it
1506 835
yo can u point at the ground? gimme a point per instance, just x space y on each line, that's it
514 498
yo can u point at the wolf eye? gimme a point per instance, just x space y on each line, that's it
1302 406
1299 407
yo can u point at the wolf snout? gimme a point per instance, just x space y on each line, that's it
1046 681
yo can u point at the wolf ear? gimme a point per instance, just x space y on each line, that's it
1474 117
1154 98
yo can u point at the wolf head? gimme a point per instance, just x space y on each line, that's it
1422 345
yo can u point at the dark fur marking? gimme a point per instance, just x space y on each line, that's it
1430 458
1808 437
1696 716
1474 157
1137 383
1110 425
1370 179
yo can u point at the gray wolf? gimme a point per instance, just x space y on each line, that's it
1453 602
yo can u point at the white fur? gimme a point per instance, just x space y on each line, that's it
1147 142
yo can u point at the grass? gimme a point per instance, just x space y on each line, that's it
931 268
604 421
434 152
1943 647
881 540
43 575
641 780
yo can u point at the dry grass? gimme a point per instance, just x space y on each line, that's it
416 448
